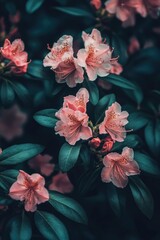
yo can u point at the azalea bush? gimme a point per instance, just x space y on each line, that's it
79 119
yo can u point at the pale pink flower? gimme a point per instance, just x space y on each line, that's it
61 183
95 57
125 9
73 125
30 189
11 122
94 37
62 62
95 142
42 164
96 3
15 52
117 167
79 102
114 123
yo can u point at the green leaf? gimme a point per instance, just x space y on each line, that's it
68 156
20 228
7 178
102 106
33 5
19 153
21 91
36 69
68 207
147 164
7 94
85 155
152 137
46 117
131 141
119 81
137 120
142 196
77 12
93 91
50 227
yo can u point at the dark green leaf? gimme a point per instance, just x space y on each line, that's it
20 228
93 91
102 106
21 91
33 5
7 94
85 155
119 81
19 153
46 117
7 178
137 120
68 156
74 11
131 141
142 196
50 227
36 69
147 164
68 207
152 136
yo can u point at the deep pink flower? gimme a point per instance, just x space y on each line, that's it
117 167
95 142
116 68
15 52
62 62
73 125
96 3
79 102
96 57
114 123
61 183
11 122
30 189
42 164
107 144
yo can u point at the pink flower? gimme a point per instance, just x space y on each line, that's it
117 167
30 189
114 123
62 62
95 142
96 57
107 145
96 3
73 125
134 45
79 102
11 122
41 163
15 52
125 9
116 68
61 183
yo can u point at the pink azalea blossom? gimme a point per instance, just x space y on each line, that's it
117 167
95 57
62 62
125 9
116 68
95 142
107 145
96 3
73 125
114 123
42 164
61 183
79 102
30 189
15 52
11 122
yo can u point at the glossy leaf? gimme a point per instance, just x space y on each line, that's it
50 226
19 153
137 120
68 207
7 94
68 156
93 91
77 12
33 5
46 117
131 141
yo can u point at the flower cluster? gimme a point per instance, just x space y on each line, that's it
95 58
13 58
